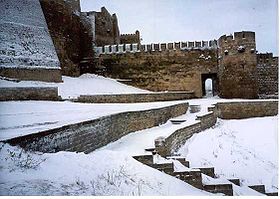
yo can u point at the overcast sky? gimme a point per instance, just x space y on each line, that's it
185 20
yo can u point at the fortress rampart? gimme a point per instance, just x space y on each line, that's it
155 47
181 69
130 38
267 69
237 65
232 62
90 42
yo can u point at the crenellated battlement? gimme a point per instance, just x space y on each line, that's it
263 58
241 39
237 55
155 47
130 38
128 34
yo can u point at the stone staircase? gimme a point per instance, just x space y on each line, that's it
193 176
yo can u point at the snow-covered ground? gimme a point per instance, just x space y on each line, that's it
111 170
25 117
103 172
245 149
86 84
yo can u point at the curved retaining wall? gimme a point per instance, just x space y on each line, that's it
29 93
225 110
90 135
135 98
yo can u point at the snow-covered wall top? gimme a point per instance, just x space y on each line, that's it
25 41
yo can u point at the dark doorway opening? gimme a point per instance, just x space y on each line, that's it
209 84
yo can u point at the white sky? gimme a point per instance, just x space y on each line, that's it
184 20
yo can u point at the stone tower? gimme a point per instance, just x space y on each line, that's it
105 29
238 65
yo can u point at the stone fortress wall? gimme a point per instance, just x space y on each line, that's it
168 70
70 31
137 47
237 71
237 65
105 29
267 69
26 47
130 38
90 42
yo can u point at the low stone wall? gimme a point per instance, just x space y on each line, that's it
36 74
208 120
225 110
134 98
241 110
90 135
29 93
173 142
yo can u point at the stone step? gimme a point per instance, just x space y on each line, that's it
162 165
182 160
210 171
192 177
179 158
235 181
227 192
219 188
195 108
150 149
177 121
185 163
145 159
259 188
272 194
211 108
167 168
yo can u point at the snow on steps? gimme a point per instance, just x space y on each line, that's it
198 177
202 178
191 176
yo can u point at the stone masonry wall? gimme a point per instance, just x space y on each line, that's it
90 135
207 120
267 74
177 139
238 66
130 38
135 98
105 27
241 110
25 42
28 93
38 74
169 70
71 33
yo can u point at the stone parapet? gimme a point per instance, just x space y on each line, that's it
135 98
29 93
89 135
